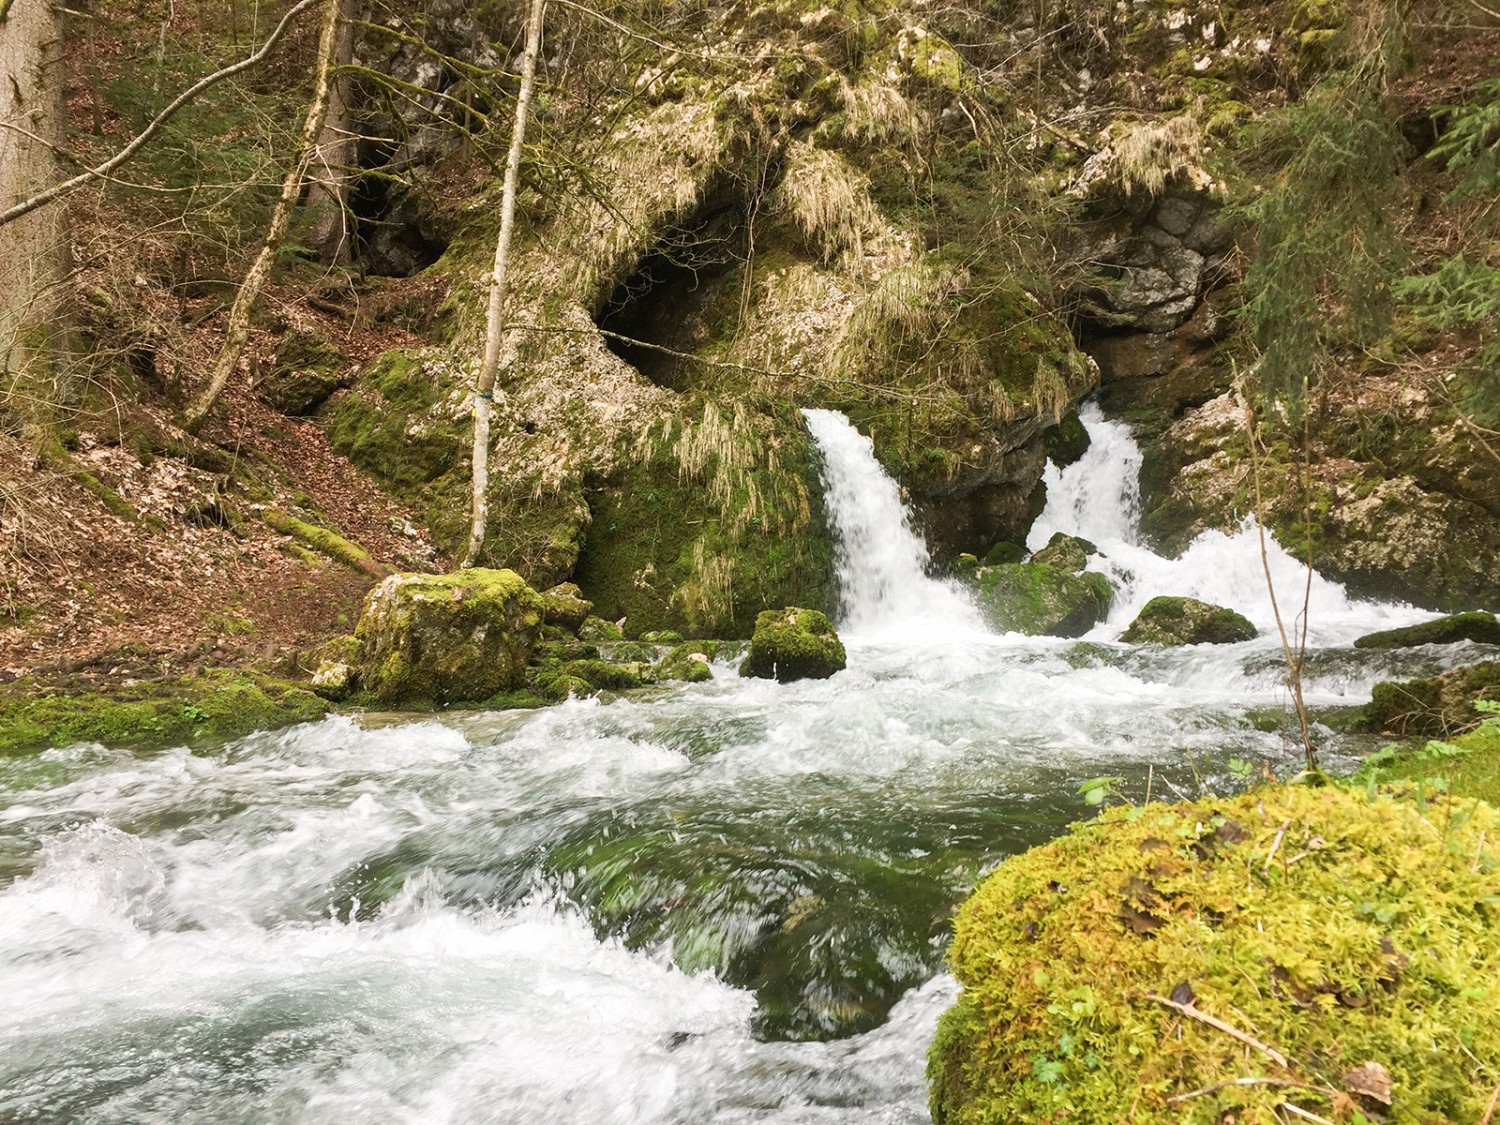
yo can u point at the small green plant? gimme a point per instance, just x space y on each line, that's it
1097 790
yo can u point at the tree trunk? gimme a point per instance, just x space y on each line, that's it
484 384
34 251
328 194
281 217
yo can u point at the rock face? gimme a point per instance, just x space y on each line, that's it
1482 628
1089 940
1187 621
1439 706
793 644
446 638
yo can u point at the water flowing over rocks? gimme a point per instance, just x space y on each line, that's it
1187 621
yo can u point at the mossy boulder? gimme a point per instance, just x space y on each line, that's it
565 606
1482 628
1437 706
1004 552
1187 621
599 630
1067 441
793 644
689 662
1350 945
336 668
308 368
1066 552
191 710
446 638
1042 600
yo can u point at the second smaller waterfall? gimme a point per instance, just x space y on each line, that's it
882 563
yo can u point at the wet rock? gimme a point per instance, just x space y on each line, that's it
1067 441
1440 705
1066 552
689 662
793 644
1187 621
599 630
1481 628
566 607
1042 600
443 638
307 370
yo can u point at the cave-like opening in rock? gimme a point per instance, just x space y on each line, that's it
682 294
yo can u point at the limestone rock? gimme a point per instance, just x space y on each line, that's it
1438 706
1066 552
443 638
1039 599
689 662
565 606
598 629
1482 628
793 644
1187 621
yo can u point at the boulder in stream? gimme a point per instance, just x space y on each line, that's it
1439 706
1066 552
793 644
445 638
1039 599
565 606
1187 621
1482 628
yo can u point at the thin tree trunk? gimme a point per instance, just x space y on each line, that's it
281 217
484 384
328 194
34 252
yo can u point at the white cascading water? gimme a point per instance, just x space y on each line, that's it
882 564
623 911
1098 498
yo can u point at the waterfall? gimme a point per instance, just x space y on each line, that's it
882 563
1098 498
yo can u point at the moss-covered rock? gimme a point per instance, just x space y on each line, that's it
1067 441
599 630
1042 600
1342 937
565 606
1187 621
1004 552
308 368
793 644
1439 705
429 638
689 662
1482 628
1066 552
193 710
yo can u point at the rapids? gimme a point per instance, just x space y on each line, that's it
724 902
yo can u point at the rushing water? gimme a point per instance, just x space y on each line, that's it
724 902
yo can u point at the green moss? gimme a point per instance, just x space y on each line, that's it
793 644
1067 441
1187 621
195 710
1042 600
689 662
714 522
322 540
1440 705
1066 552
1481 628
1335 928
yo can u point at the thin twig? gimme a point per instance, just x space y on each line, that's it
1219 1025
1489 1110
1276 843
41 199
1217 1086
1298 1111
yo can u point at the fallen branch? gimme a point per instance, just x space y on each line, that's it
41 199
1219 1025
1217 1086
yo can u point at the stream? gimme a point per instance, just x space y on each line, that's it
724 902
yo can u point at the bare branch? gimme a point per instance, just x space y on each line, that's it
26 206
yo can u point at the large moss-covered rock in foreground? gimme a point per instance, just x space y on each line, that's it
1042 600
1440 705
1482 628
1345 933
446 638
793 644
1187 621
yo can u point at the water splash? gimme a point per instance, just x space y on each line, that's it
882 563
1098 498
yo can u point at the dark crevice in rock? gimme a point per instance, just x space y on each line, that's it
393 234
